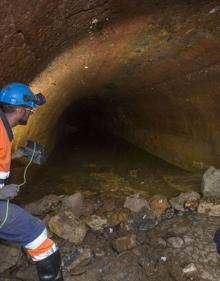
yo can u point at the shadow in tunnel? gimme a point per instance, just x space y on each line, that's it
90 160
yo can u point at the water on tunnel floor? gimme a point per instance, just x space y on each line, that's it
97 163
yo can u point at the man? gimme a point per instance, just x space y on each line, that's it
17 103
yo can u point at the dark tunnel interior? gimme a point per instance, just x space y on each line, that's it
90 159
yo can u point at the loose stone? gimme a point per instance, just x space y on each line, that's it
68 227
175 242
190 268
135 203
124 243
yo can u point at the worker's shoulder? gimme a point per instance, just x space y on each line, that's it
3 130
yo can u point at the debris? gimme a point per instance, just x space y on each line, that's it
45 205
190 268
96 222
124 243
175 242
119 218
74 203
9 257
27 273
211 182
136 204
67 226
185 201
84 257
161 242
94 21
209 208
142 221
158 205
164 259
214 10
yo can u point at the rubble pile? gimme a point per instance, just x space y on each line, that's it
143 239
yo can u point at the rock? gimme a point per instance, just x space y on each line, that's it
83 258
10 255
135 203
214 10
99 252
163 259
209 208
125 243
28 273
91 274
89 207
109 203
119 218
168 214
190 268
211 182
161 242
158 205
67 226
74 203
189 200
142 221
205 275
175 242
45 205
96 222
188 240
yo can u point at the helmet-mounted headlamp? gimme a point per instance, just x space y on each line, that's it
38 99
19 94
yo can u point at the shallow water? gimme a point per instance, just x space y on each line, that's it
93 164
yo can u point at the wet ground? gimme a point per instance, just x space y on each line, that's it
96 163
107 169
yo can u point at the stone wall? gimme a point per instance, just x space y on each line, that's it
150 68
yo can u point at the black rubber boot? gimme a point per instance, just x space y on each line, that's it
50 269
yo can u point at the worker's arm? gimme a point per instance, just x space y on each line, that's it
11 190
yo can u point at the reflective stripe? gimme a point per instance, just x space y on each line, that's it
46 254
42 248
4 175
39 240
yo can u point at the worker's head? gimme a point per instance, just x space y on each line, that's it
18 100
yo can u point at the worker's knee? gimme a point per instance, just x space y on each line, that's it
20 226
217 240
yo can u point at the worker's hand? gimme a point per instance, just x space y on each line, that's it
9 191
18 154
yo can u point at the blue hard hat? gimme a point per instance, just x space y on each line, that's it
17 94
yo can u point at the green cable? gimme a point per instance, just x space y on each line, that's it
25 170
24 182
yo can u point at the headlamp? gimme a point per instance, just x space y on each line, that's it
38 99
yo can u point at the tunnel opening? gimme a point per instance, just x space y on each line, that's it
126 82
90 159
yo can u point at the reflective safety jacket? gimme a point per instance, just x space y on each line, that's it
6 137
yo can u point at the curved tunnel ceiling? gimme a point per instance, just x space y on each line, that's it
151 69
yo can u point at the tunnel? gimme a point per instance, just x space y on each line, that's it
132 115
148 69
